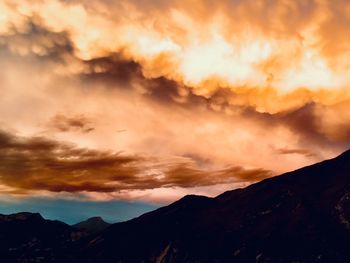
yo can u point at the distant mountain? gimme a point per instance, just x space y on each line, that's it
92 225
301 216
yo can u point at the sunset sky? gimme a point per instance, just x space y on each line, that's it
125 105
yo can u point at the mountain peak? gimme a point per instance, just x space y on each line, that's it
95 219
92 225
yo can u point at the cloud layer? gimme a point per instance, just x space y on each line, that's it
139 99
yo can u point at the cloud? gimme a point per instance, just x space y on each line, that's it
304 152
186 175
34 39
157 76
309 122
116 71
33 164
78 123
334 121
112 68
273 56
42 164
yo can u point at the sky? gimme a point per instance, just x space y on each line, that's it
135 103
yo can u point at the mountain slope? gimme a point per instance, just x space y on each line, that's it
301 216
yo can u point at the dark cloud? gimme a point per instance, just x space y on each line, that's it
246 175
304 152
112 69
63 123
307 121
185 175
303 121
42 164
35 40
115 71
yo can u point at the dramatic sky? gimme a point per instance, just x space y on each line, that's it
135 103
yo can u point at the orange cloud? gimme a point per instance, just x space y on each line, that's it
63 123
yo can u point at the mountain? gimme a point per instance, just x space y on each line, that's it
301 216
92 225
28 237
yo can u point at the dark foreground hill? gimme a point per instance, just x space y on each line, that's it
301 216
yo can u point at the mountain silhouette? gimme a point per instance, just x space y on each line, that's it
300 216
